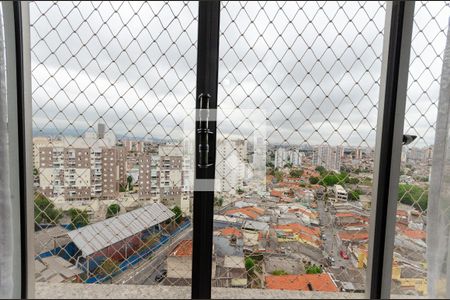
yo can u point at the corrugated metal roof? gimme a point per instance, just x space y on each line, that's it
95 237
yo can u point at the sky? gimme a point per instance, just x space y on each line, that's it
308 72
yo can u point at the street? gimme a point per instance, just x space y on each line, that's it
328 230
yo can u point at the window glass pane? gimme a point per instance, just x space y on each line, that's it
410 266
298 98
113 109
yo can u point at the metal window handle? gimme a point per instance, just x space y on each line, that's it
203 131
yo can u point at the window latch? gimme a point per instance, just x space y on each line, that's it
203 131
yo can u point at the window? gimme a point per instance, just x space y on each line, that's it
304 92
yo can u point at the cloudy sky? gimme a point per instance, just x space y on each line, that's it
308 71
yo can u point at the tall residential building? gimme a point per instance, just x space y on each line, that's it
161 177
281 157
328 156
230 165
285 156
81 168
100 130
149 174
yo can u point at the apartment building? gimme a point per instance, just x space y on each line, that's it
328 156
285 156
340 193
162 177
149 177
80 168
231 165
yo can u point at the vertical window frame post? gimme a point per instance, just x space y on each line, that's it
206 92
18 76
388 148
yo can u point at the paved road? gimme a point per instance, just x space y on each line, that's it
146 270
159 262
328 228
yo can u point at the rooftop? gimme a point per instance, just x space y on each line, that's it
251 211
304 282
93 238
228 231
296 227
353 236
339 188
184 248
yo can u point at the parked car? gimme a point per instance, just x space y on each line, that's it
330 260
343 254
160 277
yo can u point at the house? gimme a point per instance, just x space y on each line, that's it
300 233
340 193
303 282
250 212
55 269
359 236
179 265
231 271
288 264
349 218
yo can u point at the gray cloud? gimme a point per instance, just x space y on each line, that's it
311 69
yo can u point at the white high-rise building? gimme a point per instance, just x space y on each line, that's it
230 165
328 156
281 156
284 156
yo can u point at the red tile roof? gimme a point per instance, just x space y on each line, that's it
350 214
415 234
184 248
296 227
250 211
276 193
402 213
353 236
304 282
228 231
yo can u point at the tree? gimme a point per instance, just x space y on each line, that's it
278 175
296 173
129 182
178 214
78 217
413 195
122 188
354 195
44 210
218 201
321 170
240 191
112 210
249 264
313 180
279 272
288 165
330 180
313 269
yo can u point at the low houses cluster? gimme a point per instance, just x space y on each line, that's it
299 233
